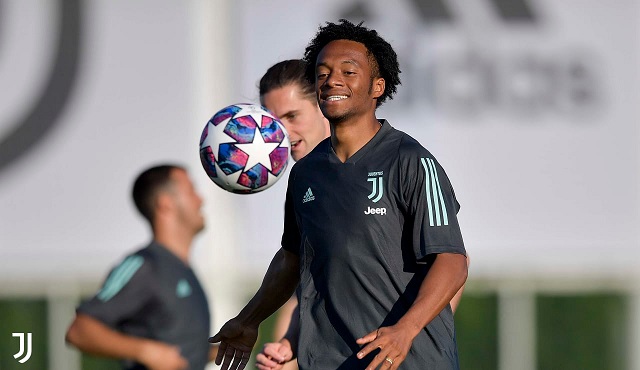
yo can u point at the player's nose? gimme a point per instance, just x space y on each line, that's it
333 79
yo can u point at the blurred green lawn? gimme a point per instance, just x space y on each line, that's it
579 331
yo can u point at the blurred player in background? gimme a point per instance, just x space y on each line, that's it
151 311
286 92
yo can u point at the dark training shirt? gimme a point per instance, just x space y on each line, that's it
366 231
153 294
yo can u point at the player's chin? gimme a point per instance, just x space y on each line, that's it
334 115
297 153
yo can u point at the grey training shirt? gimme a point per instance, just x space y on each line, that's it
153 294
366 231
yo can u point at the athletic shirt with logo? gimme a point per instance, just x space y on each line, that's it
153 294
366 231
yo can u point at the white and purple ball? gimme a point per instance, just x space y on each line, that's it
244 148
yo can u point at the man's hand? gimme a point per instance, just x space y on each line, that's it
238 336
394 344
236 341
274 355
160 356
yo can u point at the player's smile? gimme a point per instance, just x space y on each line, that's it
295 146
331 99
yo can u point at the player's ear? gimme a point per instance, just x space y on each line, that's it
164 202
378 87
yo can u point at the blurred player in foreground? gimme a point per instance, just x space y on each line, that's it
151 311
371 233
286 92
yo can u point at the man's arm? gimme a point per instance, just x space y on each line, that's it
213 352
92 336
275 355
445 277
455 301
238 336
293 332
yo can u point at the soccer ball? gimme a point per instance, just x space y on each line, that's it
244 148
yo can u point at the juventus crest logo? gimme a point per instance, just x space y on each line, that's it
27 355
377 187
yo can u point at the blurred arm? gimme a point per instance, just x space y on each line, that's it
293 332
275 354
91 336
213 352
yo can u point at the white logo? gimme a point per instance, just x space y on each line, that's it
28 355
183 289
308 196
376 211
375 178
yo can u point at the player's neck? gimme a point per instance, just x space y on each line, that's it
177 242
350 136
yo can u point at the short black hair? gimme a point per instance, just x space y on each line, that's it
285 73
384 58
148 185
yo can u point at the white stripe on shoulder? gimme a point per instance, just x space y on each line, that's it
120 276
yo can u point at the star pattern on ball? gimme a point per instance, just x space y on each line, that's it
244 148
218 131
258 151
227 179
254 111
